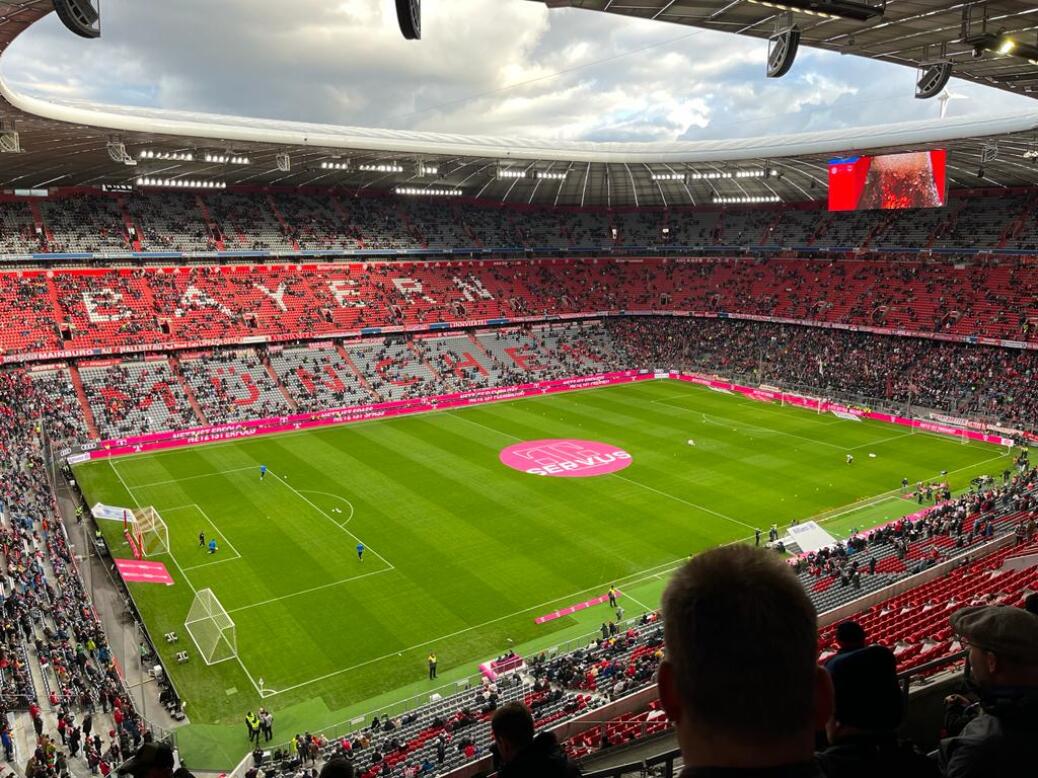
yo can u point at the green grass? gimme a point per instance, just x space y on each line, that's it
463 552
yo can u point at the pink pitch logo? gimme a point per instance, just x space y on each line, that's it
565 458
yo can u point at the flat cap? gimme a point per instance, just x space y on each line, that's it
1003 630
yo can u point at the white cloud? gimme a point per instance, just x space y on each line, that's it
505 67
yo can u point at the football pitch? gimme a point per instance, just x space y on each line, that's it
462 552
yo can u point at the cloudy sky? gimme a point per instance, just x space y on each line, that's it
483 66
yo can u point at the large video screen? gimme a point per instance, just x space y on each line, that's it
917 179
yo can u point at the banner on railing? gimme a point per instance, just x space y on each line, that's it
174 439
825 406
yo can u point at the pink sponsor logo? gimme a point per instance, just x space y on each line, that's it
565 458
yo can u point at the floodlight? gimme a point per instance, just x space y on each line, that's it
932 80
782 51
827 9
80 17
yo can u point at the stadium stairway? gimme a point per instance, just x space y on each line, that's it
185 386
265 359
88 413
356 371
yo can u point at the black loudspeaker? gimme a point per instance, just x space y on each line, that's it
409 14
782 52
80 16
932 80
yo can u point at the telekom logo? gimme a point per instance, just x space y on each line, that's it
565 458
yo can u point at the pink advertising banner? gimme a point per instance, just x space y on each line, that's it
174 439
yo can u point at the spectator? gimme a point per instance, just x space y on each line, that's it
740 679
152 760
338 767
1002 665
850 636
869 706
522 755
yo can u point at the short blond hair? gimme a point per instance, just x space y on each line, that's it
742 637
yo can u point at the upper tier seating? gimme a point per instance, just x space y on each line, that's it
291 220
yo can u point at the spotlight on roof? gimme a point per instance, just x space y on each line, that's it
179 183
382 167
558 175
336 165
421 169
668 176
828 9
80 17
932 80
418 191
746 199
167 156
227 159
1004 46
511 172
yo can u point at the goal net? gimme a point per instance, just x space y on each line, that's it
149 532
211 629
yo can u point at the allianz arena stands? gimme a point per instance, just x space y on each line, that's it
52 644
234 386
93 353
129 396
159 307
980 381
291 220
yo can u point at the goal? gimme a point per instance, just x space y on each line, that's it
149 532
211 629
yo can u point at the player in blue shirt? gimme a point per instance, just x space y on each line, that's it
360 551
263 471
212 546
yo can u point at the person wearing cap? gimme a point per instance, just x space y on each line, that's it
869 706
1002 667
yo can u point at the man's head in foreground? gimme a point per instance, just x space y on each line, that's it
512 728
740 678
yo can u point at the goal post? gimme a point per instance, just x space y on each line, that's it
211 628
149 531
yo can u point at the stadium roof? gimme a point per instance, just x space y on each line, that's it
71 143
908 32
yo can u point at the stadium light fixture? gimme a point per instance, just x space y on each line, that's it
180 183
227 159
746 199
1005 46
827 9
167 156
335 165
668 176
427 170
511 172
382 167
80 17
417 191
553 176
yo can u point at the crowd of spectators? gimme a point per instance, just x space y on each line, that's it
965 380
82 712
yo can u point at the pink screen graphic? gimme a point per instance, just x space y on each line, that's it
565 458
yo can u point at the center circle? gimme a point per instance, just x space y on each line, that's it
565 457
